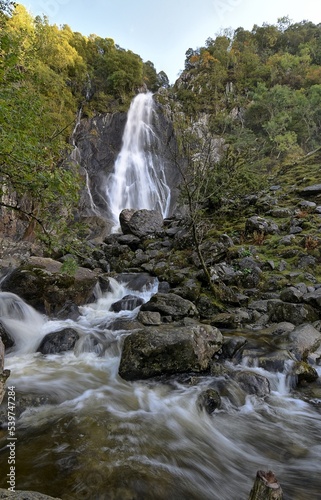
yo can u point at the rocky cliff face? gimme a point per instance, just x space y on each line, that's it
97 143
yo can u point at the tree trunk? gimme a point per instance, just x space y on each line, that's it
266 487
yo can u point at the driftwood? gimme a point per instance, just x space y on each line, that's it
266 487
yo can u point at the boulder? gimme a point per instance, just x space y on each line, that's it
149 318
295 313
291 294
124 218
253 383
304 340
304 372
4 374
313 190
260 225
209 400
56 342
170 304
43 283
313 299
141 223
168 350
5 337
127 303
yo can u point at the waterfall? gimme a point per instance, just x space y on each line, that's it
138 180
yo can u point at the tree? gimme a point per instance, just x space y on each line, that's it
35 182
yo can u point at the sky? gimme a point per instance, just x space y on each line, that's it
161 31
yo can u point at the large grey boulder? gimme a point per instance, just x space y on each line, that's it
43 283
170 305
169 349
141 223
304 340
294 313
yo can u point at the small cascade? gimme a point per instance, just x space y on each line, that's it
23 323
138 180
92 427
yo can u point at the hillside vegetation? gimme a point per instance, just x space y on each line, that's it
246 108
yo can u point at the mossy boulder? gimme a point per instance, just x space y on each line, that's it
43 283
171 305
169 349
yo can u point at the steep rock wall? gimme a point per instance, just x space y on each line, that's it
97 143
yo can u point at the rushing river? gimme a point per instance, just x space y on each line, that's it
92 435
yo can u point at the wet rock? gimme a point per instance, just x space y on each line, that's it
304 372
43 284
124 218
142 223
294 313
282 328
169 349
127 303
170 304
232 346
4 374
5 337
253 383
149 318
209 400
56 342
304 340
136 281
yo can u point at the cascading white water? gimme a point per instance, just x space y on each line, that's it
99 436
138 180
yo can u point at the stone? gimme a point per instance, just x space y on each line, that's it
304 340
253 383
4 374
170 304
313 298
313 190
142 223
127 303
42 283
5 337
260 225
169 349
293 313
304 372
56 342
232 346
149 318
209 400
124 218
291 294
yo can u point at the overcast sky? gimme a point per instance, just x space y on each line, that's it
161 31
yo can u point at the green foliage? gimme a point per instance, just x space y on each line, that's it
69 266
260 81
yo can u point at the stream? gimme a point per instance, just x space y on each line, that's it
89 434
